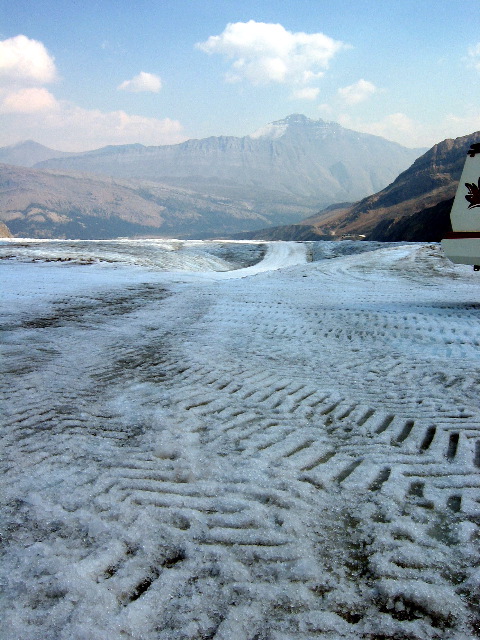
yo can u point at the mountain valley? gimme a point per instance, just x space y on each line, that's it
415 207
218 186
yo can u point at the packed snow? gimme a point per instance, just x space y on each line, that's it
239 441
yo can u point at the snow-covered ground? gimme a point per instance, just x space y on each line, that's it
289 450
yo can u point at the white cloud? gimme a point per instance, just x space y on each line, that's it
27 100
29 111
72 128
326 110
473 58
143 82
398 122
307 93
25 61
357 92
263 53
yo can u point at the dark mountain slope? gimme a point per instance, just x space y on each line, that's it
428 225
291 232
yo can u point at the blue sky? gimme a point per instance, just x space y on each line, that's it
79 75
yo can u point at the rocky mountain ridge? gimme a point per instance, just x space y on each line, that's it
432 179
415 207
297 160
213 187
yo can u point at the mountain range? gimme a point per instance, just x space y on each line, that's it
309 162
279 175
415 207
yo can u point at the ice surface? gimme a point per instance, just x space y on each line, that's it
192 449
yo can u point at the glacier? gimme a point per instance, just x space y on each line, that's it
238 441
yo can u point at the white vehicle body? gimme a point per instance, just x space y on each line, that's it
463 244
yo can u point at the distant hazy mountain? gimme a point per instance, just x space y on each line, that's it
28 153
295 162
49 204
415 207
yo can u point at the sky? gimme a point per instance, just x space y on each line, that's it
78 75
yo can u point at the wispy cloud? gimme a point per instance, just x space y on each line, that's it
28 100
307 93
264 53
357 92
143 82
68 127
403 129
460 125
473 57
395 126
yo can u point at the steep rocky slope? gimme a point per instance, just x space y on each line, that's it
409 208
4 231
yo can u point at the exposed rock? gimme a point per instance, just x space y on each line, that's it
4 231
414 206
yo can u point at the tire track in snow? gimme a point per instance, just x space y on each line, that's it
244 446
406 441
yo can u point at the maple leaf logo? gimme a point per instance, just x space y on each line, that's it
473 194
474 149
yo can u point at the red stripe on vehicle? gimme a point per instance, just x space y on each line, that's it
460 235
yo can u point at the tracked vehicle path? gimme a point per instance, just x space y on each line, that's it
294 455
